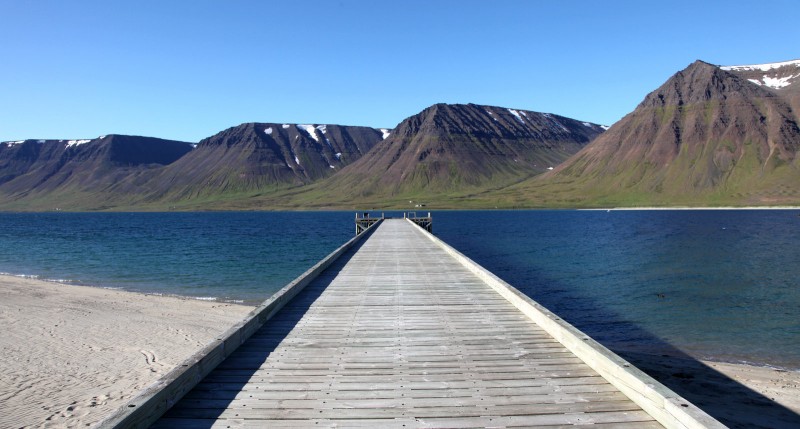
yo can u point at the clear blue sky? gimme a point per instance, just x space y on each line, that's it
188 69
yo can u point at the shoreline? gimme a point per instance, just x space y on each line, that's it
398 209
67 282
692 208
70 354
739 395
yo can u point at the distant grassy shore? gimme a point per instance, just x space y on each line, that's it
699 208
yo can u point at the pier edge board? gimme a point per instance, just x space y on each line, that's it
153 401
666 406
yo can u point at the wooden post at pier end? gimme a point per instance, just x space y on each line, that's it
425 223
365 221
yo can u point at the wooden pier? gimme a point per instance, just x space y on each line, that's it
365 220
396 329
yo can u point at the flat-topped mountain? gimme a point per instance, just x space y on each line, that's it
709 135
452 148
60 169
783 78
706 136
127 171
778 76
255 157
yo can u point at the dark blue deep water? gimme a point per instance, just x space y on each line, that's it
710 284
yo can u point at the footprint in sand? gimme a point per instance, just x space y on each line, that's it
149 357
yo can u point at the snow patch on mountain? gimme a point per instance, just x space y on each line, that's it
310 130
762 67
774 82
516 113
71 143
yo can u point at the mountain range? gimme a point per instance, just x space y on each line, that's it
129 171
255 158
709 135
453 150
80 174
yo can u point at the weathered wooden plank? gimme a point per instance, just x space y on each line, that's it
447 401
400 333
513 422
580 389
401 411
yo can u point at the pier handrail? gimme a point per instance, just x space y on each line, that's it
152 402
666 406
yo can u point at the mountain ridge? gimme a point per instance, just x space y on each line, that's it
709 135
457 148
41 169
705 135
258 156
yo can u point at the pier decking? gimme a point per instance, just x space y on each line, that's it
398 332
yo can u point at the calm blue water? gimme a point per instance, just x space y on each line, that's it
237 256
711 284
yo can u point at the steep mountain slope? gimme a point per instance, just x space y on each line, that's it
255 157
707 136
452 149
79 173
783 78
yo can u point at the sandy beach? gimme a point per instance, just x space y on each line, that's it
740 396
69 355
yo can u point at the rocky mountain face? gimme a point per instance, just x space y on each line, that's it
782 78
707 135
454 148
33 169
261 156
128 171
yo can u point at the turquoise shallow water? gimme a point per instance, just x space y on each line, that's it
243 257
711 284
